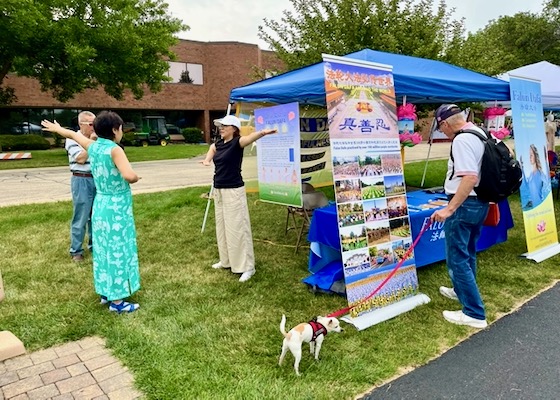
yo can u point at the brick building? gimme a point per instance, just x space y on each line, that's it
213 69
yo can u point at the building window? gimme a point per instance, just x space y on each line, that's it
186 73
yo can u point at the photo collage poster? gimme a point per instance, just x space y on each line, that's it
370 191
278 155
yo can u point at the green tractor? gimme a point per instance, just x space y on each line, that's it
154 131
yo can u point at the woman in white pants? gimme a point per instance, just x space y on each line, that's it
233 226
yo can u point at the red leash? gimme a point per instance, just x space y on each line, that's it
393 272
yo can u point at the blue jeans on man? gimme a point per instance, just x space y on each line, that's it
462 230
83 193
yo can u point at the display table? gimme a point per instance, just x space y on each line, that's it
325 260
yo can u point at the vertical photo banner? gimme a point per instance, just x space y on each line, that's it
531 151
278 155
370 192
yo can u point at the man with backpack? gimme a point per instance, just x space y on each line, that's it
463 215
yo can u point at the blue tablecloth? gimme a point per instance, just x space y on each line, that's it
325 260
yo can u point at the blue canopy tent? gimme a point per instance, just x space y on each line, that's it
419 79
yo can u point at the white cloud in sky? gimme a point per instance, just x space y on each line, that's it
238 21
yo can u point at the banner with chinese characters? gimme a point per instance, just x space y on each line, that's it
531 151
278 155
372 211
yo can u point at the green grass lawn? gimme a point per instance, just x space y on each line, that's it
59 158
200 334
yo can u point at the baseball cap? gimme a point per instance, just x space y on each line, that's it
445 111
228 120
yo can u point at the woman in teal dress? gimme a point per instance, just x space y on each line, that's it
115 254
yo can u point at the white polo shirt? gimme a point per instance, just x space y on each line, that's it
467 150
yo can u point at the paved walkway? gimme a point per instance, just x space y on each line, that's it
43 185
77 370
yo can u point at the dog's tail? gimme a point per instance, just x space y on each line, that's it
283 325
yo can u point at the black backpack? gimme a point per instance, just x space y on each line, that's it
500 174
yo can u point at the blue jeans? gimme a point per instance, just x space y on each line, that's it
83 193
462 231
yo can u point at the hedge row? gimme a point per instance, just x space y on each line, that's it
23 142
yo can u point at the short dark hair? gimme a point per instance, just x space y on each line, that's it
105 122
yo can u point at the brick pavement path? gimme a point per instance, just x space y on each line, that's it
77 370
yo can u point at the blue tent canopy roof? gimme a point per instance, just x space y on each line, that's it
419 79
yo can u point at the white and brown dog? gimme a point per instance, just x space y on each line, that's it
313 332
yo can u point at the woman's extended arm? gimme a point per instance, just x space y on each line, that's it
209 155
247 140
123 165
67 133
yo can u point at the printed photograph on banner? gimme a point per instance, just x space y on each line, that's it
370 165
278 156
360 101
376 210
402 285
347 190
397 207
353 238
378 232
394 184
372 187
346 167
350 214
391 164
400 228
356 262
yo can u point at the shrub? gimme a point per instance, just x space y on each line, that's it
192 135
128 139
24 142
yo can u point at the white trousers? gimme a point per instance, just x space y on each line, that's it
233 230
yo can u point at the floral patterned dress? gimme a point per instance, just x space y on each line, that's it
115 254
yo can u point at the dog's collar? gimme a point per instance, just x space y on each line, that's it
318 329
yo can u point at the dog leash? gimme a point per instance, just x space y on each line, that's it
343 311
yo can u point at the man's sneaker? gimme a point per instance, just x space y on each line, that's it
459 318
123 307
218 265
245 276
448 292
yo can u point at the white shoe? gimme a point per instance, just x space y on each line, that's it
245 276
218 265
459 318
448 292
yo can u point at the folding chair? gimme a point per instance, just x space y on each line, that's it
311 201
293 211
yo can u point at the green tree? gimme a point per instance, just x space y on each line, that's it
73 45
339 27
511 42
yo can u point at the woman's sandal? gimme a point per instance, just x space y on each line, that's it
123 307
103 300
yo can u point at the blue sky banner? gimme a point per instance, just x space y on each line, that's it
531 151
